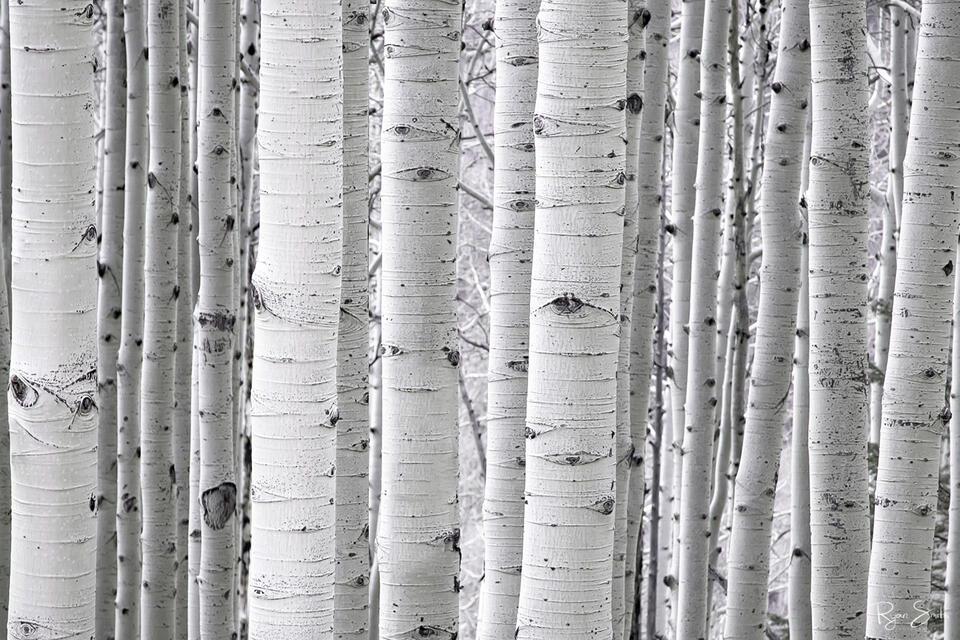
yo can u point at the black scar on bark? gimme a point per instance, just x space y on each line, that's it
634 103
566 304
217 319
219 504
948 268
23 393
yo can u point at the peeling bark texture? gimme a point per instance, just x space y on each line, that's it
749 559
183 368
52 390
951 599
110 270
686 116
510 255
215 315
701 390
351 593
296 296
836 199
580 129
914 414
418 545
649 33
129 362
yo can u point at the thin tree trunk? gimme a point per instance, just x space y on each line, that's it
351 617
686 118
511 250
6 168
650 36
701 390
53 413
195 543
6 195
748 562
110 270
836 199
568 535
951 599
158 592
216 318
418 544
914 415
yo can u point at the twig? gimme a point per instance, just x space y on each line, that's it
473 122
476 195
475 423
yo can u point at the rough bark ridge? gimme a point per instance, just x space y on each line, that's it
52 390
914 413
836 199
580 129
418 545
748 562
511 252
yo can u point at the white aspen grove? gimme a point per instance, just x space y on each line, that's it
701 390
418 533
161 288
351 615
510 254
52 391
836 201
756 483
915 416
580 132
294 403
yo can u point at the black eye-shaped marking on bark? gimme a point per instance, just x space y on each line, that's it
776 87
538 125
634 103
454 358
487 24
520 61
566 304
948 268
90 233
519 205
422 174
23 393
30 630
644 18
86 405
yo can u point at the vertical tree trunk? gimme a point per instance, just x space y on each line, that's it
129 359
686 115
418 545
951 599
6 159
511 250
914 415
158 592
651 42
836 199
6 196
351 617
216 315
296 297
748 562
574 322
701 391
52 393
110 270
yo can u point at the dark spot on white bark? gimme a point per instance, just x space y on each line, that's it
218 504
566 304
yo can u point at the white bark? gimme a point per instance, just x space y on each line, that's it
52 392
418 538
353 437
914 415
6 196
215 316
565 584
296 297
748 561
110 269
510 254
836 199
951 599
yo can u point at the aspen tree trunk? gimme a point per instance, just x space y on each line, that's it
6 167
215 316
418 544
511 250
574 322
351 593
649 34
836 199
52 391
798 586
686 115
294 412
158 592
701 399
195 543
183 372
951 599
914 415
891 214
110 270
129 357
628 261
749 560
